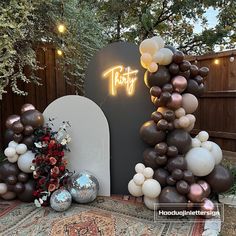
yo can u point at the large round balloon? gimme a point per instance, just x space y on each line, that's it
159 78
33 118
200 161
150 134
189 103
7 168
25 162
220 179
180 139
171 199
216 152
27 194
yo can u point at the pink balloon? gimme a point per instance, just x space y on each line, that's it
196 193
208 207
206 187
27 107
176 101
179 83
11 119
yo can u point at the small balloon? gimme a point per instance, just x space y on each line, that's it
193 70
11 119
155 91
156 116
161 175
161 160
182 187
196 193
176 101
167 88
176 163
149 157
207 206
179 83
206 187
161 148
28 130
148 46
153 67
178 57
203 71
185 65
27 194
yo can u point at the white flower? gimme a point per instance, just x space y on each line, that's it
32 167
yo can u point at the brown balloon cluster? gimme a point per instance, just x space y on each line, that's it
21 128
15 183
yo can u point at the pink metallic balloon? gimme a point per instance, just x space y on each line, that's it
11 119
179 83
196 193
206 187
27 107
176 101
208 207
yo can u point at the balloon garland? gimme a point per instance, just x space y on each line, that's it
182 169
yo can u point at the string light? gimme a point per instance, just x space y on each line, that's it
61 28
59 52
231 59
216 61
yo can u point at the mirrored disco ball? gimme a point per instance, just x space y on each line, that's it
83 187
60 200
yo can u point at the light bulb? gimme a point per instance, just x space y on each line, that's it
216 62
61 28
231 59
59 52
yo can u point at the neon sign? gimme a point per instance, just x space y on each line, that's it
121 76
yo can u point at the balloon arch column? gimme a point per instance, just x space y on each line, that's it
177 168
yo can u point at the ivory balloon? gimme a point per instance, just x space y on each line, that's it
25 162
21 148
200 161
148 172
8 195
10 152
216 152
3 188
207 145
180 112
189 103
151 188
191 118
139 179
190 127
13 159
203 136
12 144
184 122
139 167
158 58
196 142
159 41
167 56
148 46
153 67
151 203
134 190
146 58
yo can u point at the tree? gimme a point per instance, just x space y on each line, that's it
24 24
172 19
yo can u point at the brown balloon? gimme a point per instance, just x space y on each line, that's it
182 187
158 78
172 151
220 179
201 89
188 176
177 174
194 88
8 168
203 71
150 134
27 194
169 115
8 136
11 119
27 107
180 139
168 88
185 74
149 157
17 127
11 187
33 118
29 141
162 125
22 177
170 126
17 138
185 65
161 160
193 70
178 162
174 68
155 91
156 116
28 130
198 79
178 57
171 199
170 180
160 175
165 98
161 148
11 179
19 187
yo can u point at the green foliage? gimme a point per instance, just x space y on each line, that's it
24 24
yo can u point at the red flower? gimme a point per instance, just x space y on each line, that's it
42 180
51 187
62 168
55 170
51 144
53 160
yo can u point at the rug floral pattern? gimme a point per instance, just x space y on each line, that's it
103 217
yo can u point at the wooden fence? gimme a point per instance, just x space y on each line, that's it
216 113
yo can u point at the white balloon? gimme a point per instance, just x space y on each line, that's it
12 144
196 142
168 56
153 67
151 188
203 136
139 168
200 161
10 152
13 159
216 153
207 145
159 41
158 57
3 188
8 196
180 112
138 178
151 203
148 172
184 122
146 58
148 46
134 190
25 162
191 117
21 148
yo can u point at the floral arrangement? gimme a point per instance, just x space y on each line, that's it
50 163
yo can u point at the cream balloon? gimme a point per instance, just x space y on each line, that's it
138 179
134 190
158 57
148 46
168 56
196 142
12 144
203 136
146 58
192 118
216 152
207 145
189 102
8 196
13 159
151 188
190 127
153 67
184 122
25 162
151 203
148 172
159 41
3 188
143 65
200 161
10 152
139 168
180 112
21 148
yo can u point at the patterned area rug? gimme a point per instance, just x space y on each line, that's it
103 217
